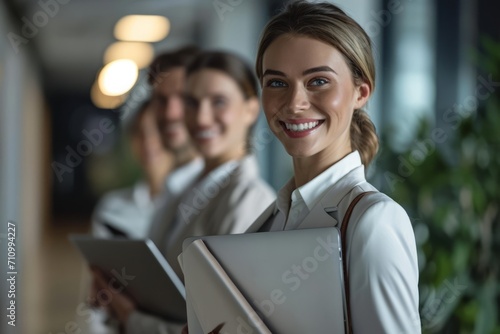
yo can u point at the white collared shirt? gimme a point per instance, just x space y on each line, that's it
176 184
128 211
293 205
380 244
182 177
198 196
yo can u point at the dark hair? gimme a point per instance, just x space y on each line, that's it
230 64
168 60
329 24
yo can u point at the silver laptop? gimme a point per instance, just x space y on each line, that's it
141 268
286 282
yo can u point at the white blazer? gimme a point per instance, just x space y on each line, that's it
128 210
381 254
236 205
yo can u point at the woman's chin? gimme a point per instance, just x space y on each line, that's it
208 152
298 152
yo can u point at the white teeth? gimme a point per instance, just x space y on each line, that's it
205 134
301 126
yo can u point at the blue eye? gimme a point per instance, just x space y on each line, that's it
275 83
318 82
219 102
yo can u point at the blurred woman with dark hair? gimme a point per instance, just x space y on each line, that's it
128 212
221 108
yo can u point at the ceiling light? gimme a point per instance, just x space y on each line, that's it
141 53
118 77
103 101
142 28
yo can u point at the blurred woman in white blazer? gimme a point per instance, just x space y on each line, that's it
221 107
317 72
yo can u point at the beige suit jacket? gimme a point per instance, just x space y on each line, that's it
229 208
238 201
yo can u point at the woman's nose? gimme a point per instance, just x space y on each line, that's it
204 115
298 99
174 109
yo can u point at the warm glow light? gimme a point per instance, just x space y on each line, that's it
141 53
142 28
105 101
118 77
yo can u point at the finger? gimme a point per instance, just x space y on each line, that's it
91 299
217 329
102 294
99 279
185 329
122 306
95 287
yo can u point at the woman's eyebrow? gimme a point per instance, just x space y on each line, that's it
273 72
318 69
308 71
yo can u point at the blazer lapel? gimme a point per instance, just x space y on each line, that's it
325 212
263 218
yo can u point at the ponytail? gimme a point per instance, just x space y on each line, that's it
364 136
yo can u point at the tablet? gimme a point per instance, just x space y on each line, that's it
213 298
283 282
141 268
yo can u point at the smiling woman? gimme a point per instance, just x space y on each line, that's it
316 68
221 106
300 93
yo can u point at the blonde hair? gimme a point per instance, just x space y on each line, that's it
328 23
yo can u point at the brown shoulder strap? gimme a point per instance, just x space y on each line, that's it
343 240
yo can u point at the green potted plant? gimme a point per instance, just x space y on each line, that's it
449 182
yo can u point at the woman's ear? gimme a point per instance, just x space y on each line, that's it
253 109
363 94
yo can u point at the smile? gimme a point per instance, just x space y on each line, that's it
206 134
300 128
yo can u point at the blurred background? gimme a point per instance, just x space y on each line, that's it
67 65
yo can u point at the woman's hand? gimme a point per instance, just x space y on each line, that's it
216 330
112 298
